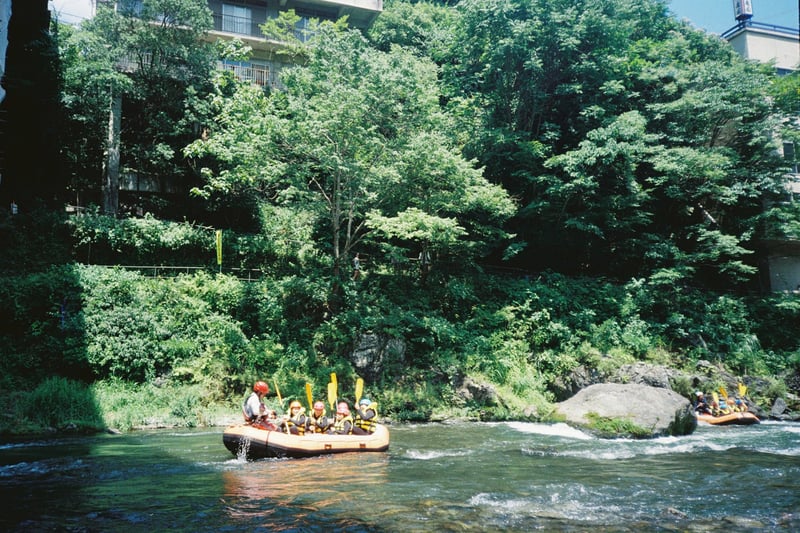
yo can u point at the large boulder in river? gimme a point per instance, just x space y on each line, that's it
629 410
644 374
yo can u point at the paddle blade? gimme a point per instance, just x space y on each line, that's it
332 396
335 385
278 392
716 397
742 389
309 396
359 389
723 392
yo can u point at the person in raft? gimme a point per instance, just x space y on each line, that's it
700 404
343 424
317 422
724 408
295 421
739 405
254 410
366 417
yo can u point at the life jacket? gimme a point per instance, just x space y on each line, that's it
299 421
367 425
312 422
338 426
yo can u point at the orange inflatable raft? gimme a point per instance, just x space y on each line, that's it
742 419
255 443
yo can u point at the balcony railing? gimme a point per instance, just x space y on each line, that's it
250 28
253 74
760 26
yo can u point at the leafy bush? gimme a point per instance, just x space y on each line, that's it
211 335
41 325
101 239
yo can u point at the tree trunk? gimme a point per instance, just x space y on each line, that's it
111 163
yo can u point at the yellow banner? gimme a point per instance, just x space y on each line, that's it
219 247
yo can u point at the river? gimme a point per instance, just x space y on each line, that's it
459 477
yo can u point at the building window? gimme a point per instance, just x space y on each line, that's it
130 7
302 28
236 19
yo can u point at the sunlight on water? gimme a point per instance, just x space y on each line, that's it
510 477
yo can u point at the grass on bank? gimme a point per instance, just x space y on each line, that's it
60 404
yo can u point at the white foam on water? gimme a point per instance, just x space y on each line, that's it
789 452
607 454
557 430
427 455
38 468
571 502
621 449
29 444
486 499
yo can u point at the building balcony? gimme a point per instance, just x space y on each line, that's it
258 75
244 18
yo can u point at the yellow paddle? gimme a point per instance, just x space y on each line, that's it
278 392
332 396
742 389
335 386
359 389
309 397
723 392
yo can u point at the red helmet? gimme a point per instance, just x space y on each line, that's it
261 387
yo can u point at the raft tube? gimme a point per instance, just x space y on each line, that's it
741 419
256 443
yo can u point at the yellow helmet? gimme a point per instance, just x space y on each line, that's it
294 404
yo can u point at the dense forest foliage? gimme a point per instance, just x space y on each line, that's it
531 187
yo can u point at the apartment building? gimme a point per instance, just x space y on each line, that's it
241 19
779 45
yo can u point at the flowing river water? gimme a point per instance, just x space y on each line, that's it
459 477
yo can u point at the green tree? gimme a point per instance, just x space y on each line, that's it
422 26
782 218
637 144
30 110
90 80
354 140
157 45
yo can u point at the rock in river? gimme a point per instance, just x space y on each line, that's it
658 411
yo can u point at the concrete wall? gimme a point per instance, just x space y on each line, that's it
765 45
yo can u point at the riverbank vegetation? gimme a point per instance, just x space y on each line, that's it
531 188
183 348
